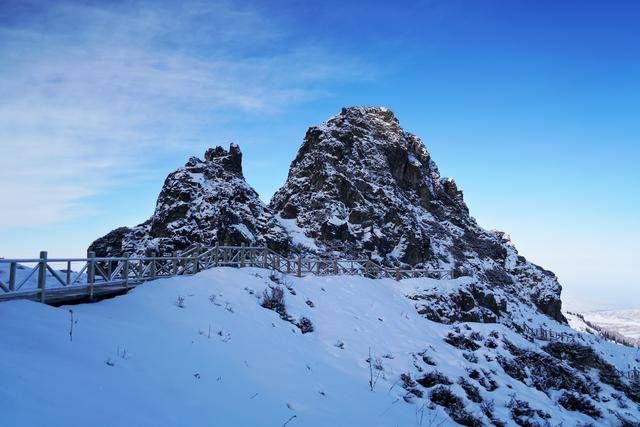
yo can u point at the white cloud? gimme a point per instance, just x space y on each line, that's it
87 90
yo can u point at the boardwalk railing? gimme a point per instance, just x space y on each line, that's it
544 334
59 279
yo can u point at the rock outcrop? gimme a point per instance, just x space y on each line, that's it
361 185
206 201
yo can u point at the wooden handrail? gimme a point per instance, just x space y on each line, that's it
128 271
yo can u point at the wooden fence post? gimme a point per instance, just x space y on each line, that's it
299 266
12 277
216 255
265 259
91 272
108 278
335 266
42 275
241 255
152 267
125 270
397 273
68 274
174 263
196 259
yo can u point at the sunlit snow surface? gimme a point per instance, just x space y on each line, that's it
223 360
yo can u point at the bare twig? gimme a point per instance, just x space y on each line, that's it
71 326
291 418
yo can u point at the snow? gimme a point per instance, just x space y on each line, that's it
625 322
297 234
140 359
245 232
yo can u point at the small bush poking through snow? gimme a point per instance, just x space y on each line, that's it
576 402
471 357
473 394
487 407
461 342
305 325
273 299
525 415
454 406
180 301
434 378
491 343
411 386
429 360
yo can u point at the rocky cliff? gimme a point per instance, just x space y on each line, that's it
361 185
206 201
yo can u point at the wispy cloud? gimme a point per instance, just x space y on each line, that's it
87 89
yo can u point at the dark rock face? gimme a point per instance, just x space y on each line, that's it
206 201
361 185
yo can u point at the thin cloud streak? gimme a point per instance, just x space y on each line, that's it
88 92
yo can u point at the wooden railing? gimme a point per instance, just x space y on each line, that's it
94 275
544 334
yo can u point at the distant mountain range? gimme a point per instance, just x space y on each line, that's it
624 322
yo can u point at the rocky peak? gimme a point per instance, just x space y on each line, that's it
230 160
361 185
206 201
358 179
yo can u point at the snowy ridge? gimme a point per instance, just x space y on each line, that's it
189 350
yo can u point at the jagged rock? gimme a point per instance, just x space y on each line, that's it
361 185
206 201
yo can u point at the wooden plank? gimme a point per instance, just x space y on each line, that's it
55 275
12 276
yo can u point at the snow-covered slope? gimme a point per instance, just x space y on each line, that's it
202 350
206 201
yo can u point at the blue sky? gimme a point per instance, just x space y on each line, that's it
533 107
